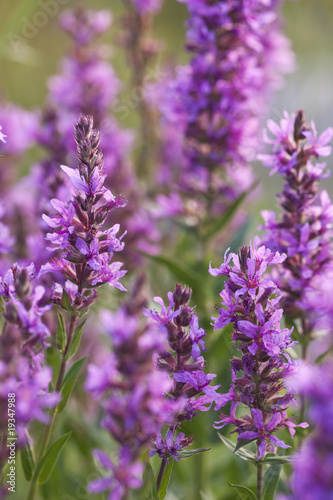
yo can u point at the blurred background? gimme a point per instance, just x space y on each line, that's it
23 79
24 72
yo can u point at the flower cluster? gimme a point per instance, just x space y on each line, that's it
250 304
304 230
21 366
133 393
88 84
218 100
76 229
191 387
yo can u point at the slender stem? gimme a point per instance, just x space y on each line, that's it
161 474
4 326
49 427
140 28
304 352
260 482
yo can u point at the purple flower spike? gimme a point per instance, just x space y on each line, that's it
22 365
312 476
304 230
133 395
250 304
212 110
191 386
76 229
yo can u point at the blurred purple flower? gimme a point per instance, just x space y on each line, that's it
133 392
250 303
212 110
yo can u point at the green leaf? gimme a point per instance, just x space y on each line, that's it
220 222
76 340
69 382
189 453
243 442
28 462
61 332
181 272
323 356
166 479
46 465
270 481
149 477
248 493
66 303
277 459
243 454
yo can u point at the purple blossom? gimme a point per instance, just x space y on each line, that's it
166 315
212 109
263 432
23 370
250 304
132 392
303 231
21 128
76 229
87 83
169 447
191 388
85 26
125 476
312 476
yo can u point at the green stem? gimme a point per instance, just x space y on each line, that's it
160 474
49 427
304 353
260 482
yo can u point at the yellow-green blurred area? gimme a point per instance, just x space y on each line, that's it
24 72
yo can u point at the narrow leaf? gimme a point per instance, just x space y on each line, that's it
243 454
150 478
277 459
28 462
223 220
69 382
61 332
243 489
46 465
243 442
323 356
190 453
76 340
166 479
66 303
180 272
270 481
